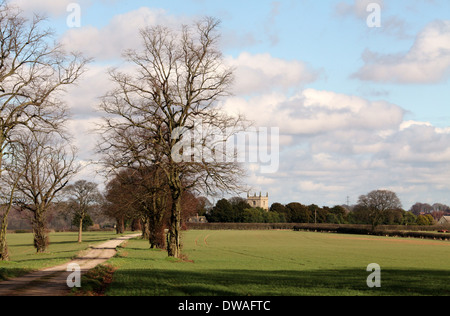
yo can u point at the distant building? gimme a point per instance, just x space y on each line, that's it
197 219
258 201
445 220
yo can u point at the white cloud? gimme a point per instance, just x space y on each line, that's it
85 140
263 72
85 137
312 186
84 97
332 144
408 124
316 112
343 145
428 60
420 143
358 8
120 34
52 7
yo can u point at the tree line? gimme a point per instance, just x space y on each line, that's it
436 210
139 201
380 207
153 152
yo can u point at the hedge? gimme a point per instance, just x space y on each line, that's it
425 232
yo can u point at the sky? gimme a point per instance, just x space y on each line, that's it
359 89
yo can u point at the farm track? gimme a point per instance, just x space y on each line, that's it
53 281
205 240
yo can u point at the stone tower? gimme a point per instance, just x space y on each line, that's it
258 201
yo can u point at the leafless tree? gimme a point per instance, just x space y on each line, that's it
8 190
147 192
117 203
155 111
33 74
378 203
48 164
83 197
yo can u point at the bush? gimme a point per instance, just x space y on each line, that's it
425 220
87 221
95 281
22 231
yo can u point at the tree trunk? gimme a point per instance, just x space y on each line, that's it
41 240
145 228
156 236
173 238
120 226
4 254
80 230
136 225
156 213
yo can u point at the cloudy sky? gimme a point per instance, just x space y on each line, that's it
361 96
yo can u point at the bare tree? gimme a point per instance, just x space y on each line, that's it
83 197
418 208
117 203
8 187
147 191
33 74
49 164
378 203
166 114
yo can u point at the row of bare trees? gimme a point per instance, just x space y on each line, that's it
142 198
169 87
165 91
36 158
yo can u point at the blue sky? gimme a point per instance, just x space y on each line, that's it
359 108
314 32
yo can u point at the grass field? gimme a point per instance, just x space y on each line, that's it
63 247
255 263
283 263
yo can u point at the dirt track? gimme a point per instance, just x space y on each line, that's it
53 281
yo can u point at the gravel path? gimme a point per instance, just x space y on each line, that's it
53 281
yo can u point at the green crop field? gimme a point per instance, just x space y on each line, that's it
283 263
255 263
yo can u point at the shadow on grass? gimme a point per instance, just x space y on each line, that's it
9 273
278 283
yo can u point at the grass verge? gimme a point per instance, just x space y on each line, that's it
95 281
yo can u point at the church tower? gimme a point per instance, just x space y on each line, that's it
258 201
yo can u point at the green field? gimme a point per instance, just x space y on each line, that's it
283 263
63 247
255 263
